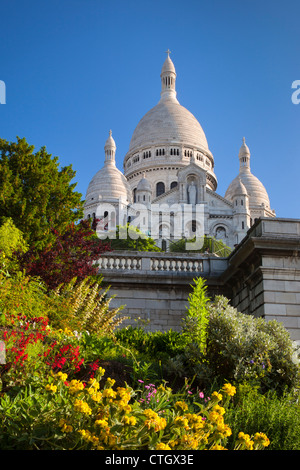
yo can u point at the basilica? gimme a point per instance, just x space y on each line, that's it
169 165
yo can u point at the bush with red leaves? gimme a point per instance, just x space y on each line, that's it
73 254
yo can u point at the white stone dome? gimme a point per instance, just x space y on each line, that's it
255 189
168 134
168 123
144 184
108 184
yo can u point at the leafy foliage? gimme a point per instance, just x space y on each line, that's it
22 295
71 254
35 193
279 417
242 348
11 243
195 323
210 245
134 241
156 345
86 307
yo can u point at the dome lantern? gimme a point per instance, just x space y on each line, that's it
244 156
168 79
110 150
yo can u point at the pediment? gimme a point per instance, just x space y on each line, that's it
191 170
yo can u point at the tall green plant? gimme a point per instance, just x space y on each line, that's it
195 324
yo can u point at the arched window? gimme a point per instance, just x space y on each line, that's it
160 188
134 195
173 184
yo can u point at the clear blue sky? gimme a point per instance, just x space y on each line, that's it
74 69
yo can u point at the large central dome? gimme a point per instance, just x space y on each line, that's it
170 123
170 135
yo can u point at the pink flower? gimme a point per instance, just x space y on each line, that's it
201 395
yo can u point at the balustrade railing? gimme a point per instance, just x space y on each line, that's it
150 262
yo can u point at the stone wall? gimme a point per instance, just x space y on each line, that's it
264 273
154 287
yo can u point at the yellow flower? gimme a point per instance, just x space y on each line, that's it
75 386
124 407
82 406
67 428
154 421
110 382
88 436
224 429
218 447
62 376
102 423
262 439
181 405
215 417
181 421
101 371
217 395
109 393
229 389
189 442
130 420
246 440
51 388
94 384
195 421
219 409
96 396
162 446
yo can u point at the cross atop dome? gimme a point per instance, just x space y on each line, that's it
168 52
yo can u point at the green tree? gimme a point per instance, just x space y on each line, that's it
135 241
35 193
11 243
210 245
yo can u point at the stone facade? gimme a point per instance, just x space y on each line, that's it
264 273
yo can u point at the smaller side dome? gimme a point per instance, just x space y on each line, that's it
256 191
108 184
144 184
240 189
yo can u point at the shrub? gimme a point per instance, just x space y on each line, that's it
241 347
73 253
135 240
195 323
152 345
24 296
86 307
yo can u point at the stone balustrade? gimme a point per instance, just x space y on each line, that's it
154 262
